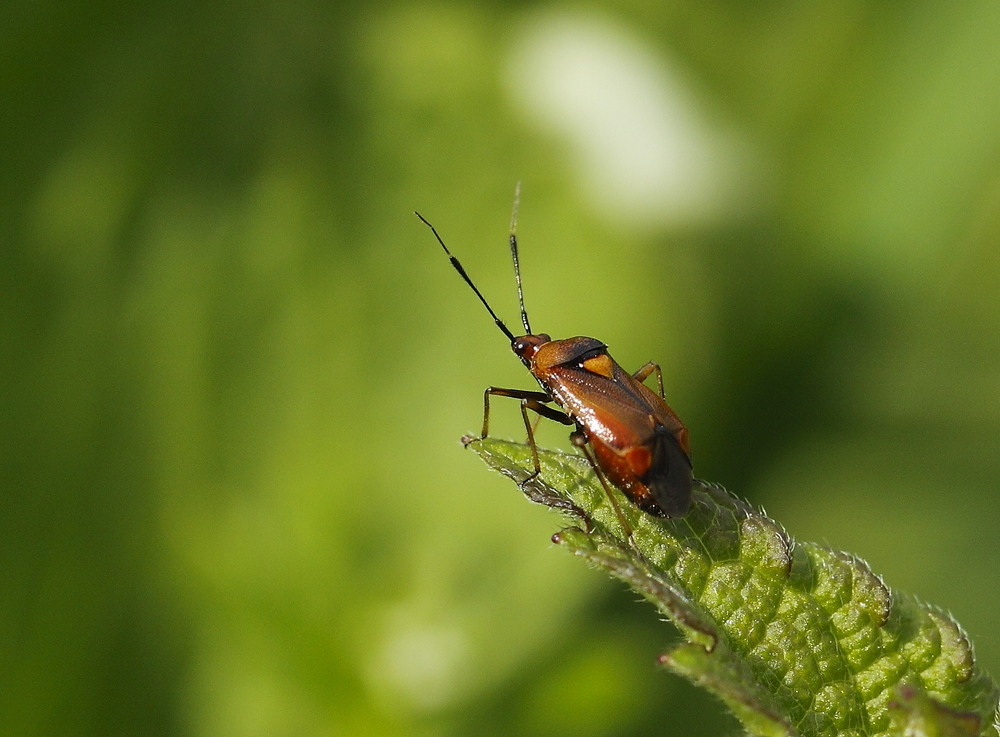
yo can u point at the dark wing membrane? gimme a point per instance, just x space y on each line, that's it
669 476
573 349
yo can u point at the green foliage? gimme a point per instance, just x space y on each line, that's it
796 638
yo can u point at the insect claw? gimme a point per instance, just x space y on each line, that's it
531 477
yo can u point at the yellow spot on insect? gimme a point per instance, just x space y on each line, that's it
600 365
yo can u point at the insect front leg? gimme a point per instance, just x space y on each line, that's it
543 411
535 401
643 373
514 393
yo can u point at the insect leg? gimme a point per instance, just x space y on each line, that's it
534 401
552 414
529 400
515 393
643 373
580 441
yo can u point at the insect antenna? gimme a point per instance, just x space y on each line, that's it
461 271
513 255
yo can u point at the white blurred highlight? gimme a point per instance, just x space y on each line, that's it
647 152
421 667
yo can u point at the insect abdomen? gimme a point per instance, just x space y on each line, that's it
655 476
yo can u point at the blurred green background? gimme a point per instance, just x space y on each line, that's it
235 368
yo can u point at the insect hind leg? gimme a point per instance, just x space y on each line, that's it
580 441
651 368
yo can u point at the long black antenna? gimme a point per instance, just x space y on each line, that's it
513 255
461 271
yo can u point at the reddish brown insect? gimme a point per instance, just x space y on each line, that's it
628 433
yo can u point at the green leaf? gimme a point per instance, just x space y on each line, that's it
795 638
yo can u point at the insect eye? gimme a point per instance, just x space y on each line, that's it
524 347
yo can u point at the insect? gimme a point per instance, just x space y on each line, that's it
628 433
